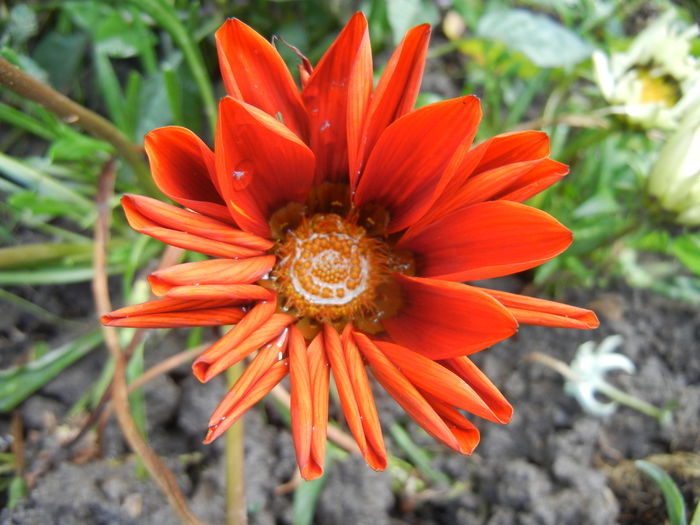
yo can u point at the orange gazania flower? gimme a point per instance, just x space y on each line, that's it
342 224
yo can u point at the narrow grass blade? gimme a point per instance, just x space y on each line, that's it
675 506
17 383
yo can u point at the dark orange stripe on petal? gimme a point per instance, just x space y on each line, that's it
540 178
203 317
482 385
507 148
301 405
531 310
440 382
466 433
489 239
183 168
254 72
261 376
414 159
336 96
144 212
234 292
364 398
261 165
166 305
319 375
405 394
346 385
442 319
249 330
213 271
395 94
205 368
499 151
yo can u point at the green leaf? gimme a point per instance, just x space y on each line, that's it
16 491
599 204
544 41
675 506
19 382
115 37
306 498
419 457
687 249
60 55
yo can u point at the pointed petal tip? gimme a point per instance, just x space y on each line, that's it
591 320
200 369
311 471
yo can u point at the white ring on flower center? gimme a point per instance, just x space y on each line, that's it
326 262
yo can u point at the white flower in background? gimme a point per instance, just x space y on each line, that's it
675 176
589 367
656 81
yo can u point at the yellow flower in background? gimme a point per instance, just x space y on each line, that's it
656 81
675 177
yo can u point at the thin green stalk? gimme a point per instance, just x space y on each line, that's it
163 14
236 513
626 399
33 309
30 88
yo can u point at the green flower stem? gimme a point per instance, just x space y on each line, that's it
28 87
630 401
236 511
165 17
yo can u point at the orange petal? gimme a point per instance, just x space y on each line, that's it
466 433
431 377
253 71
540 178
167 305
507 148
489 239
396 92
183 168
499 151
441 319
336 96
235 292
212 271
301 405
178 319
188 230
205 368
261 165
257 328
405 394
351 391
409 166
517 181
261 376
487 391
319 376
530 310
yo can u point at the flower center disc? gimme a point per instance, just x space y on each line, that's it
329 268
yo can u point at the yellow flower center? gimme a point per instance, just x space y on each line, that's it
334 263
329 269
661 89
